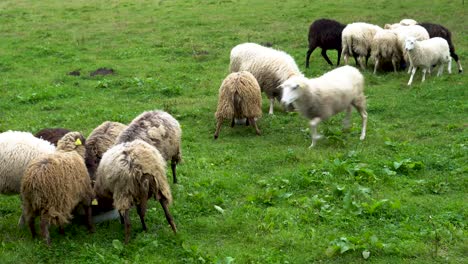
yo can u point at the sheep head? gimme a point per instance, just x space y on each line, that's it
72 141
410 43
292 89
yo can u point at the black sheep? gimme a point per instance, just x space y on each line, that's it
326 34
436 30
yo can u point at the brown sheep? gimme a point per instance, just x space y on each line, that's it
130 173
54 184
160 130
239 97
53 135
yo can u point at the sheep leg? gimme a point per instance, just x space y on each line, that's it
441 70
272 101
89 217
449 66
169 217
313 130
367 58
218 127
122 221
45 230
345 55
423 74
128 226
361 62
309 52
30 221
394 63
412 74
324 55
339 56
247 122
347 119
173 167
233 122
376 65
254 124
460 69
360 106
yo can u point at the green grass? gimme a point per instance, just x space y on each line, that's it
398 194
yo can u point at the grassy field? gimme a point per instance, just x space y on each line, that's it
401 194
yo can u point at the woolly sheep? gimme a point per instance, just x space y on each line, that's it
160 130
17 149
52 134
424 54
99 141
436 30
385 47
408 22
326 34
239 97
320 98
269 66
54 184
130 173
357 39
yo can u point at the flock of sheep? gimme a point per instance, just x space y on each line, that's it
60 173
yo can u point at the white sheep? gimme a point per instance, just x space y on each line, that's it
385 47
269 66
130 173
356 40
320 98
408 22
424 54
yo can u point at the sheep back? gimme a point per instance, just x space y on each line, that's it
99 141
51 134
53 185
326 33
239 97
129 171
386 46
269 66
357 37
17 149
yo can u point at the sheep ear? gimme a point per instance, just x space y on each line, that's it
387 26
78 142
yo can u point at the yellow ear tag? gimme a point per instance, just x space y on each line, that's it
78 142
94 202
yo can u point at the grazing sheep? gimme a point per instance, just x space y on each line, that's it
269 66
17 149
326 34
54 184
160 130
357 40
239 97
385 47
424 54
322 97
52 134
130 173
99 141
436 30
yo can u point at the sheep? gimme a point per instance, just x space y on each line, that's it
54 184
357 39
159 129
17 149
408 22
269 66
385 47
239 97
52 134
99 141
436 30
320 98
326 34
130 173
426 53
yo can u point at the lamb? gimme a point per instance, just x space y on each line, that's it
326 34
160 130
436 30
426 53
357 39
269 66
54 184
99 141
385 47
17 149
52 134
239 97
130 173
320 98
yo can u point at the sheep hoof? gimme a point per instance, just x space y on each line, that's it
215 136
460 71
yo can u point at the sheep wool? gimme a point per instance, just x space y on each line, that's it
17 149
160 130
385 47
320 98
269 66
99 141
357 38
239 97
52 134
130 173
54 184
326 34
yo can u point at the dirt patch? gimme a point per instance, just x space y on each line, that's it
102 71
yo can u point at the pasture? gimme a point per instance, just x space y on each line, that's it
400 195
